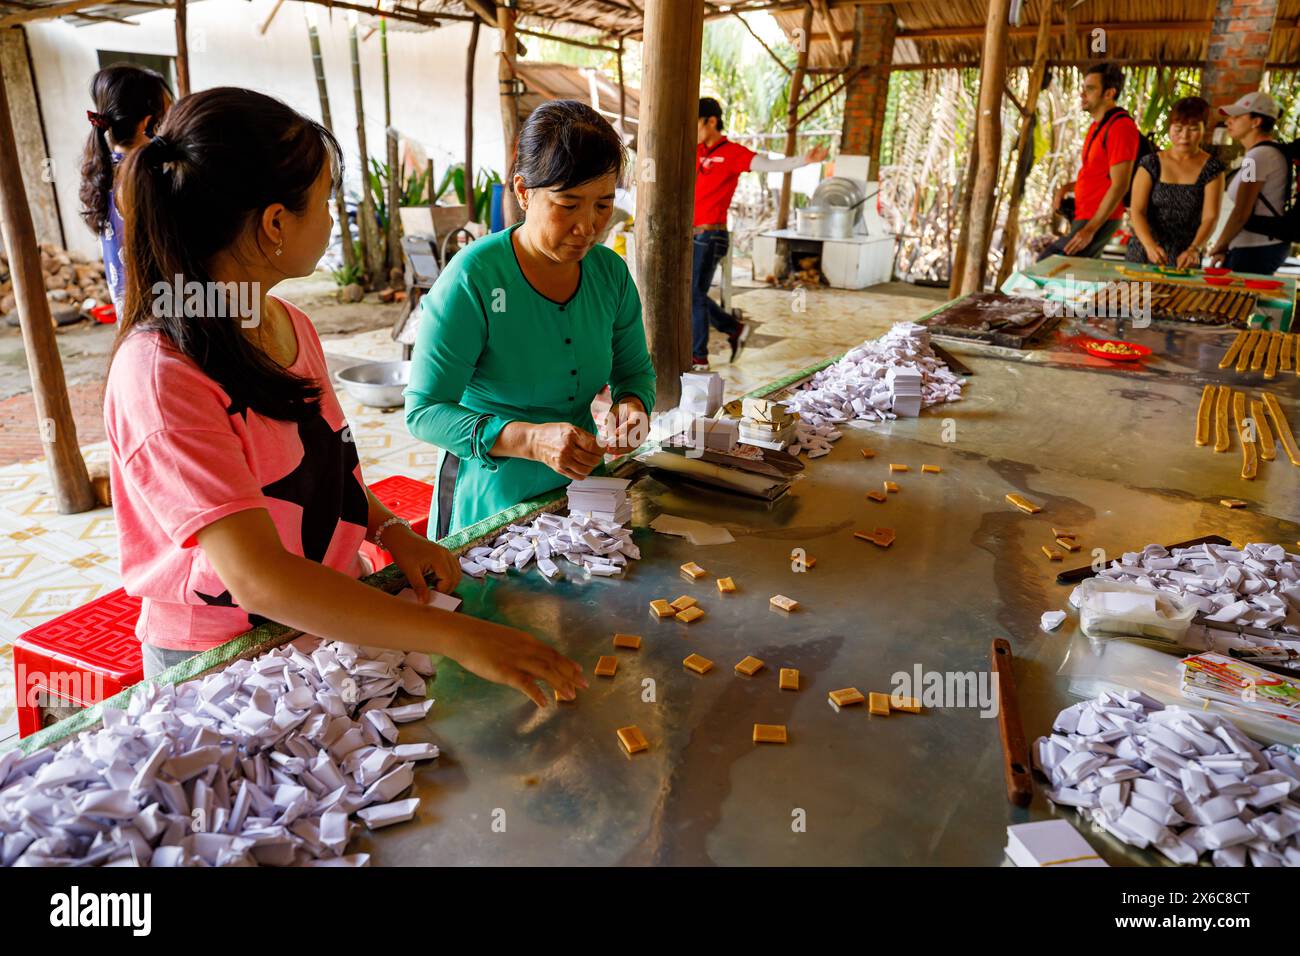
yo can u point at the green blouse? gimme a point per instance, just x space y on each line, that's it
491 349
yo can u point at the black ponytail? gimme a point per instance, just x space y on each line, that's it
123 96
196 189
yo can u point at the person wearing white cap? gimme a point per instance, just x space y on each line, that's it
1258 191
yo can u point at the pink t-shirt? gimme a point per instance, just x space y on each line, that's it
182 456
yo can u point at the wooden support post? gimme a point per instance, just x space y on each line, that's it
792 115
622 97
72 490
322 92
394 198
1024 143
963 218
182 51
993 80
469 126
372 253
510 211
666 134
837 38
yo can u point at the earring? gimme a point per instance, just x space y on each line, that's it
279 250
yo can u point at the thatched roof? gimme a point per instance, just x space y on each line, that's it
952 31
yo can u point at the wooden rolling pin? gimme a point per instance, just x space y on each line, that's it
1015 752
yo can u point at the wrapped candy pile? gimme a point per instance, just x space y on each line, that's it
862 385
1182 782
598 547
264 762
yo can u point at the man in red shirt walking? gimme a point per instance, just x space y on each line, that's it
1110 151
718 165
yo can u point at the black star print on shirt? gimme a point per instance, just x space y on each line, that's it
324 485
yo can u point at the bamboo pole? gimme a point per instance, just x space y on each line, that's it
469 126
394 238
622 97
507 81
1011 232
182 50
666 134
322 92
792 115
71 483
372 254
993 80
963 216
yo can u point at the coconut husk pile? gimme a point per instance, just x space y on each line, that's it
73 285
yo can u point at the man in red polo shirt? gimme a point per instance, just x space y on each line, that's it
718 165
1110 151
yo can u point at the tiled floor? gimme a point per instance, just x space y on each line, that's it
50 563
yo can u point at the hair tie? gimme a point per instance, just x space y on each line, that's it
166 148
97 120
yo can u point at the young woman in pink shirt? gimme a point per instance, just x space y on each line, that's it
236 485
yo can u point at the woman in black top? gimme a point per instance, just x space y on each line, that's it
1176 193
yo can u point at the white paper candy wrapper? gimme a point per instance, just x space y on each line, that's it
599 547
261 763
878 380
1182 782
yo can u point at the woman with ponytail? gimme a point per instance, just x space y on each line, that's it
130 102
236 484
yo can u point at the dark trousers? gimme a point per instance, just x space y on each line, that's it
706 252
1094 248
1261 260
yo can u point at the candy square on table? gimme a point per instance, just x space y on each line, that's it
630 641
693 570
769 734
1069 544
726 585
908 705
783 603
632 739
789 679
1232 502
1024 504
749 666
846 697
1062 533
1052 553
563 700
867 453
690 614
891 486
878 704
701 665
877 496
897 467
662 608
606 666
931 469
683 602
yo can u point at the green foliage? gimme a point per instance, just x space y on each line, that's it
347 275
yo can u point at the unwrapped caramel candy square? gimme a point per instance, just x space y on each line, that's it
931 469
701 665
661 608
846 697
909 705
632 739
868 453
1069 544
606 666
891 486
749 666
683 602
878 704
1024 504
769 734
629 641
783 603
1052 553
894 467
690 614
726 585
1232 502
789 679
693 570
877 496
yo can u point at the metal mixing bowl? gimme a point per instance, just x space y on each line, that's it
377 384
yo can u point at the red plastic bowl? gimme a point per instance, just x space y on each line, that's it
1217 271
1093 347
1219 280
104 314
1263 283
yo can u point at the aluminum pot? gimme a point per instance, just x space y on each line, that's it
811 221
839 222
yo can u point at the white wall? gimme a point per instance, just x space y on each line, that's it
426 69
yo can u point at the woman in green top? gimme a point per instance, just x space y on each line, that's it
525 327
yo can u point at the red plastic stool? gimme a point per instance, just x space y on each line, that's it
406 498
82 657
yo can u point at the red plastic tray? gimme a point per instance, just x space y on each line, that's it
1092 347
